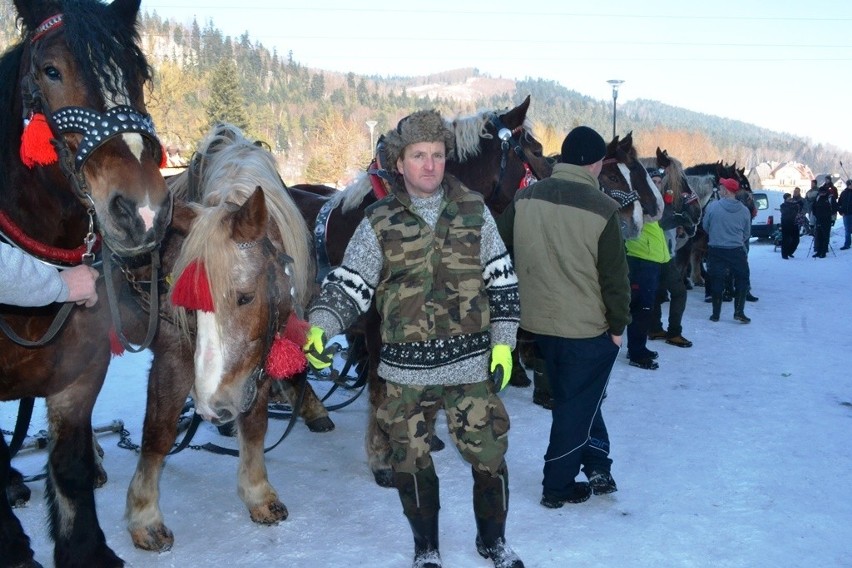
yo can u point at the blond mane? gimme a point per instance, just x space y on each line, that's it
225 172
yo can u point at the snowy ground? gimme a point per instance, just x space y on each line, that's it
733 454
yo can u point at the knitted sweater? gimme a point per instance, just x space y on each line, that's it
349 289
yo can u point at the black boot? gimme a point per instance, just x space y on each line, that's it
419 496
739 307
490 506
717 308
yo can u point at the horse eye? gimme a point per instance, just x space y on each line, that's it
243 299
52 73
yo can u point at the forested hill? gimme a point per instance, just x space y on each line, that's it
315 120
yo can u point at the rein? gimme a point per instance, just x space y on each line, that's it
509 141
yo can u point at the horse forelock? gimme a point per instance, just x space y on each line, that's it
107 51
468 131
230 171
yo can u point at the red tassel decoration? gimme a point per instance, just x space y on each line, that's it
285 359
36 149
192 289
164 157
115 346
296 330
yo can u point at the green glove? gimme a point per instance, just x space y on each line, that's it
501 366
315 349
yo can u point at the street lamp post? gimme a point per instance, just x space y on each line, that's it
615 83
371 124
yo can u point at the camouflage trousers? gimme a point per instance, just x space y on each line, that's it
476 418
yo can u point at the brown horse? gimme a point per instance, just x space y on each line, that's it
81 170
495 153
244 230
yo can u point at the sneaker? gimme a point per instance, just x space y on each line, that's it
714 317
750 298
602 483
741 317
645 363
844 248
657 334
500 553
646 354
679 341
578 493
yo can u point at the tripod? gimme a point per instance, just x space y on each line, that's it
816 231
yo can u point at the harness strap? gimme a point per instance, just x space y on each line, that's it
153 312
22 424
56 325
320 242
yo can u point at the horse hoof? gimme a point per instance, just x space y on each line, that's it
322 424
101 477
17 493
383 477
436 444
269 513
156 539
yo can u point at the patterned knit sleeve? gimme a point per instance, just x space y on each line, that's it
501 284
348 290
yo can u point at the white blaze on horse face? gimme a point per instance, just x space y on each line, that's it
209 363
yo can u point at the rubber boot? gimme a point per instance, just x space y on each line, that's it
739 307
490 507
717 308
541 386
519 373
419 495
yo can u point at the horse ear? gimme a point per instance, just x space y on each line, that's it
515 117
663 159
249 222
126 10
35 12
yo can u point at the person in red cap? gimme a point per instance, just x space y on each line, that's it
728 225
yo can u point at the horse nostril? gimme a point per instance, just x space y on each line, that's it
120 206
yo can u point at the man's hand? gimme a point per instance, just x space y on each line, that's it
616 339
501 365
315 349
81 285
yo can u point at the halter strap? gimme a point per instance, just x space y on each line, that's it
46 26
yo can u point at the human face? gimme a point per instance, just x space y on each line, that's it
422 167
658 181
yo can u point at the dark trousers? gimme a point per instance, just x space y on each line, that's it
578 371
821 235
789 238
720 260
644 277
671 282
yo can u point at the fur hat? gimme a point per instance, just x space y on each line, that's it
583 146
730 184
422 126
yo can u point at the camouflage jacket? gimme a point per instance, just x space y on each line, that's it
443 284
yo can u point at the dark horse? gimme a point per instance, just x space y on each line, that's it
495 153
89 178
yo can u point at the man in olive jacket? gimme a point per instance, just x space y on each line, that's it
575 298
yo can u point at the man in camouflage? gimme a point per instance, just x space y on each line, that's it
430 256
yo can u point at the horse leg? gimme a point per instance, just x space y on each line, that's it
312 410
17 492
253 482
169 382
14 544
71 471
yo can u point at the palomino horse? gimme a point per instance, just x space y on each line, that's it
682 206
83 171
243 250
495 154
625 179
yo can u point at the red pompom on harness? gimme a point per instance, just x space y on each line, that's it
36 146
192 289
286 358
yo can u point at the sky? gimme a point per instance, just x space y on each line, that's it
733 454
781 65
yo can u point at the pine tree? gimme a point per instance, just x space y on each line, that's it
226 103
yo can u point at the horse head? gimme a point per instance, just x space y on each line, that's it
496 154
251 244
625 179
87 134
682 207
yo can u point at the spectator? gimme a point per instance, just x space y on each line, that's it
789 227
26 281
810 197
728 226
432 258
844 208
825 211
575 292
645 256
